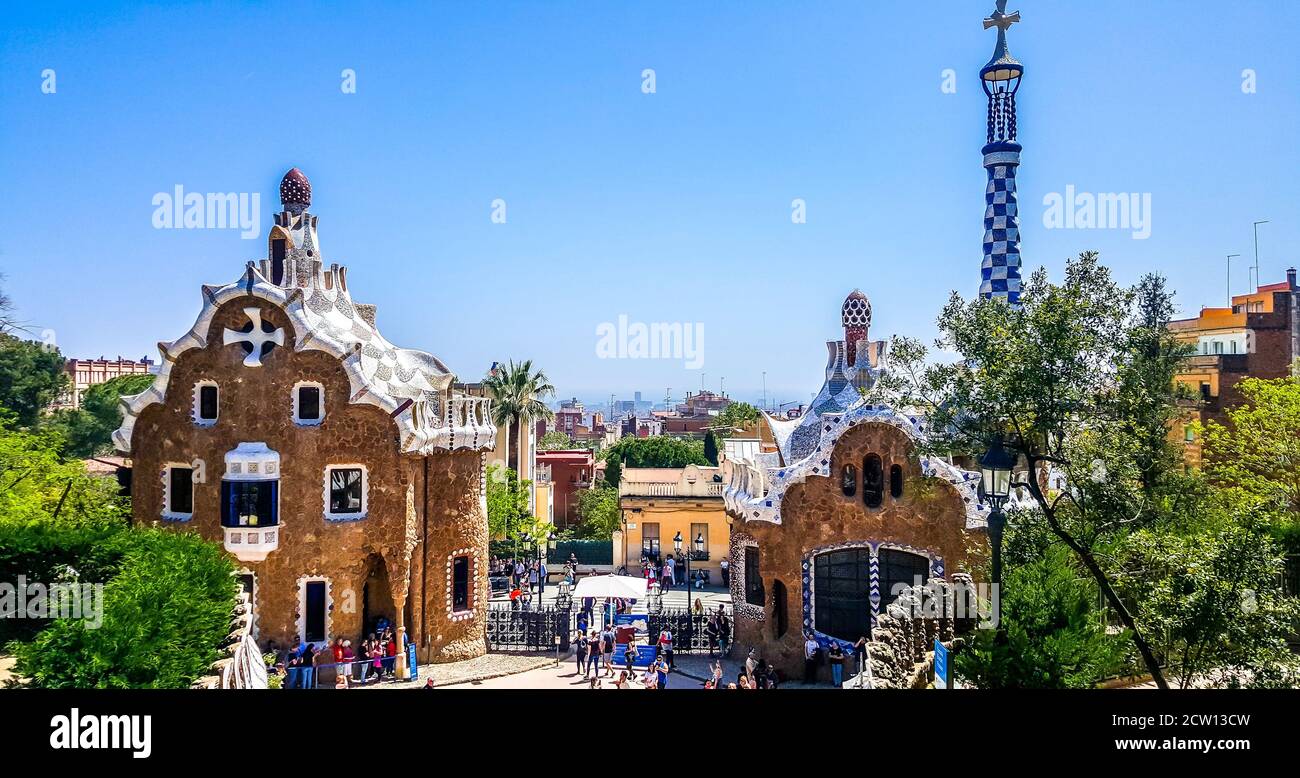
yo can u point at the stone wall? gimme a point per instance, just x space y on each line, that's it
256 406
929 518
902 644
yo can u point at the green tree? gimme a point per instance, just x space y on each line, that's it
89 429
711 448
598 509
507 503
657 451
736 416
1053 637
555 441
518 397
1211 599
1258 451
613 471
1078 380
167 597
165 614
31 377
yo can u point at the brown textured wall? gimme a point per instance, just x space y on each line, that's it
256 406
456 521
930 516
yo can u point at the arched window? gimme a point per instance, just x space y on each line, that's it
849 480
895 481
873 481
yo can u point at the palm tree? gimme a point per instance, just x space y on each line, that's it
518 397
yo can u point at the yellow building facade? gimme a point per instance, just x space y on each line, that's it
656 504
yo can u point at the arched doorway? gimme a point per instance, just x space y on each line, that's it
376 596
842 593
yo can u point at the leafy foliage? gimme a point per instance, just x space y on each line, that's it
1258 452
1053 636
31 377
88 430
657 451
168 596
1079 382
166 612
507 503
598 509
518 396
1211 599
735 416
555 441
711 448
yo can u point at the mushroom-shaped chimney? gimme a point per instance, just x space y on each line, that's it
295 191
856 315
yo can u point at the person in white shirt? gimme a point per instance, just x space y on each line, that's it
668 573
811 649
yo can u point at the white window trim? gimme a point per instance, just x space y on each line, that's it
365 493
194 412
308 422
301 616
167 513
472 572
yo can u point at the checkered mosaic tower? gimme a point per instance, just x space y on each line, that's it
1000 274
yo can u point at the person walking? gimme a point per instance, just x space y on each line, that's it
593 653
629 657
726 573
724 632
580 649
607 649
666 646
669 573
662 668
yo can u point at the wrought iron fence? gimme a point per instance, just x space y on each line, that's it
690 630
534 629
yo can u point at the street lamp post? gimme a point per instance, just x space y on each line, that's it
541 578
995 479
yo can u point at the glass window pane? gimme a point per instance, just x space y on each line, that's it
207 402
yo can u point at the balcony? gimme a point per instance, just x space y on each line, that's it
251 544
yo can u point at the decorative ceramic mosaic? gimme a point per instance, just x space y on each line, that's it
414 387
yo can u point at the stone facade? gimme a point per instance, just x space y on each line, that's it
390 413
929 519
843 497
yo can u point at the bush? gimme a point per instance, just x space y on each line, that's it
1053 636
166 614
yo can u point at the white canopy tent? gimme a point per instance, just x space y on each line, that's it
599 586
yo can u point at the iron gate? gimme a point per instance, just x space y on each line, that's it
688 629
516 629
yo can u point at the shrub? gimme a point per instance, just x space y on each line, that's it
166 614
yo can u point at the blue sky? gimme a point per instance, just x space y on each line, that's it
665 207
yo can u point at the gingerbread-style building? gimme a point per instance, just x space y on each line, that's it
826 522
344 473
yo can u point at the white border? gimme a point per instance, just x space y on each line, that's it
467 614
300 618
298 420
167 513
194 411
365 493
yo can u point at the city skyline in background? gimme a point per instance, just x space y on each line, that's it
671 206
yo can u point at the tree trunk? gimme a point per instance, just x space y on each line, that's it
1103 583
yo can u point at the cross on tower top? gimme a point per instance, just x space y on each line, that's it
1000 18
